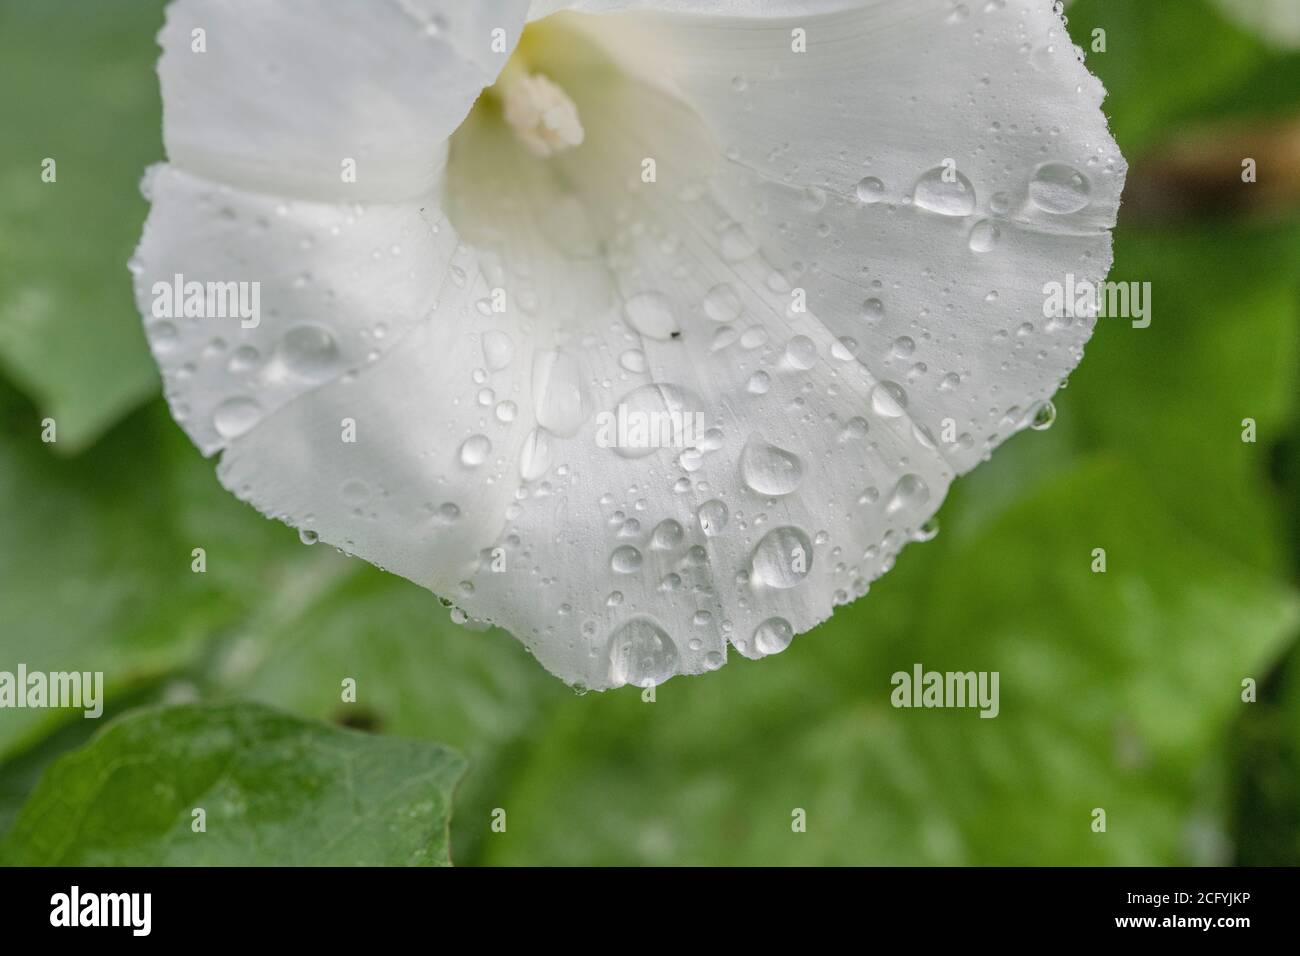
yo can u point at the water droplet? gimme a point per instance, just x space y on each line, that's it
625 560
984 236
773 635
712 516
888 400
910 492
651 417
782 558
642 654
668 534
243 359
801 353
307 536
652 315
873 310
506 411
633 360
759 383
736 244
769 470
162 336
558 398
498 350
1043 416
945 191
1059 189
721 303
535 456
235 416
474 450
870 190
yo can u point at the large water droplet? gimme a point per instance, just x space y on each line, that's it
870 190
945 191
1059 189
641 653
773 635
769 470
910 492
309 352
888 400
984 236
474 450
651 417
721 303
558 397
668 534
535 457
801 352
782 558
652 315
625 560
235 416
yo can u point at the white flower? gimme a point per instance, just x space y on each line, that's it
668 342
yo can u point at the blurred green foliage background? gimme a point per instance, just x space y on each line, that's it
1119 690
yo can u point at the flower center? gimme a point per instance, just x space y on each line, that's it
535 107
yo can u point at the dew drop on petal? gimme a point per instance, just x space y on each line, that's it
888 400
769 470
782 558
910 492
1042 416
498 350
641 653
475 450
1059 189
945 191
984 236
736 244
870 190
712 517
721 303
651 314
773 635
625 560
801 353
668 534
235 416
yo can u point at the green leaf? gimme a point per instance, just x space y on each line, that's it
94 574
276 790
1115 692
417 674
81 90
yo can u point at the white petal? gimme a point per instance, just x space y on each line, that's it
283 93
336 287
821 446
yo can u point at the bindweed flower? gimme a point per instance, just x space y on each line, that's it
645 330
